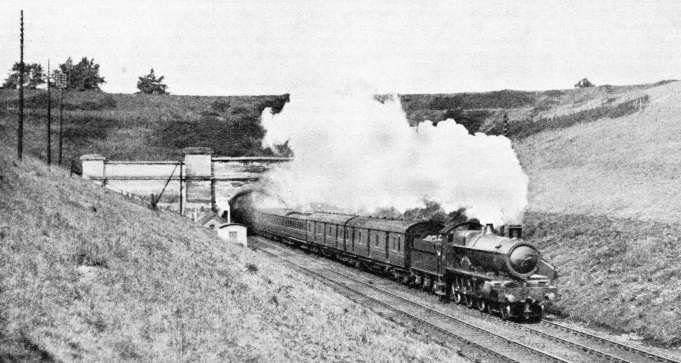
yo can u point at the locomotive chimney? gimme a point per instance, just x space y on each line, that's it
489 229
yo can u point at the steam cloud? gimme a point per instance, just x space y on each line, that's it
356 154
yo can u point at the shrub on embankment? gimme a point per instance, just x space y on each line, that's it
86 275
616 273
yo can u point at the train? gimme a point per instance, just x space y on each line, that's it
493 270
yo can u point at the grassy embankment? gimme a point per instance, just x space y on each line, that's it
528 112
604 208
140 127
157 127
87 276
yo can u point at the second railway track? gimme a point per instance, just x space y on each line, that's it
586 347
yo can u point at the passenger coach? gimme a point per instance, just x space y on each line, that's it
378 244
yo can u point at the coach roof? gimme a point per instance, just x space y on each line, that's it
390 225
330 218
281 212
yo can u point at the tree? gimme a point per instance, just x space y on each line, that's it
33 76
584 84
83 76
149 84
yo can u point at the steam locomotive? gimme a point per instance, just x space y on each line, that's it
494 271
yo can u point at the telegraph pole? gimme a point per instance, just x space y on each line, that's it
49 117
62 85
20 129
181 167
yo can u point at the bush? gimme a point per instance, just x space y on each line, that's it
220 105
277 103
252 268
85 102
104 102
81 129
240 135
446 102
525 128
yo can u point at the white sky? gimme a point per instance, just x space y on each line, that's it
271 47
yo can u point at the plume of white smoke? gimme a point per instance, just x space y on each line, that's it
358 154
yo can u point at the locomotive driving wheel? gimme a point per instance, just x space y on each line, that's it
459 298
505 311
482 305
470 301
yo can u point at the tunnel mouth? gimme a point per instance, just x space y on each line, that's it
243 204
241 207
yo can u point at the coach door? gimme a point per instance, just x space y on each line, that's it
351 236
387 244
341 236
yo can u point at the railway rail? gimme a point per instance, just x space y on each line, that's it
498 346
604 348
621 349
585 343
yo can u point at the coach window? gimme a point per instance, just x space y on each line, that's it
399 242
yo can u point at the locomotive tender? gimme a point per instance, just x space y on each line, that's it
474 265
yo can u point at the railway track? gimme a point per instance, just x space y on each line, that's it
606 349
598 348
495 345
620 350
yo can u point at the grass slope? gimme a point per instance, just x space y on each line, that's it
527 111
604 208
619 274
87 276
627 167
118 125
115 125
